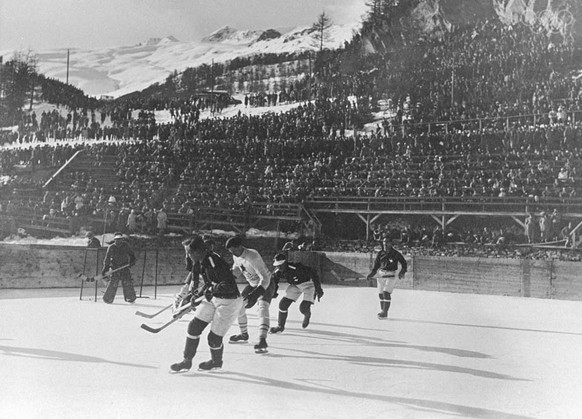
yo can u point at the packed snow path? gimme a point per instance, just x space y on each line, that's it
440 355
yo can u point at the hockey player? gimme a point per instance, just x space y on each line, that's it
386 264
118 255
221 306
260 290
191 284
300 279
191 287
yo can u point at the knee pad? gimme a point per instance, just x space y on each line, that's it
195 327
214 341
305 307
387 296
285 303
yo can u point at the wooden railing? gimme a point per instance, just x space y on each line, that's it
476 204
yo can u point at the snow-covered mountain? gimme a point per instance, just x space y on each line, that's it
120 70
229 35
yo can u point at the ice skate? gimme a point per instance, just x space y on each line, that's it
277 329
306 319
242 338
261 347
383 316
210 365
183 366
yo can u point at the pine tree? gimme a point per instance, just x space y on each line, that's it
321 27
17 84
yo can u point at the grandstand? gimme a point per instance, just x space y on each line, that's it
487 126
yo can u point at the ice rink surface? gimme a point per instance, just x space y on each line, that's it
441 355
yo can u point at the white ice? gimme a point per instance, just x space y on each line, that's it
441 355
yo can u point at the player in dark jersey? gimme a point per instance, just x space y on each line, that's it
119 254
191 288
301 279
386 265
221 306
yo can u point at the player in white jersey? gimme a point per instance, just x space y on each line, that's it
260 289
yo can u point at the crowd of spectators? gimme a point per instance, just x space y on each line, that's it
455 249
485 71
308 152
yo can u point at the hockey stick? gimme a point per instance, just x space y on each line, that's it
183 311
151 316
100 277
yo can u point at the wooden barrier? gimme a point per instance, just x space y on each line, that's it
41 266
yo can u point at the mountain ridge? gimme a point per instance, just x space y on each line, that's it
116 71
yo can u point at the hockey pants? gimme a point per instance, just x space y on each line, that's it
128 290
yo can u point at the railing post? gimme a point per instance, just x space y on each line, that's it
156 275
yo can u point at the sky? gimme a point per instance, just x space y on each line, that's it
39 25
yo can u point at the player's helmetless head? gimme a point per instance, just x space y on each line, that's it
387 243
234 246
280 261
195 248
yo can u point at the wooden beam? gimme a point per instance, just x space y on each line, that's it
573 234
518 221
439 221
437 213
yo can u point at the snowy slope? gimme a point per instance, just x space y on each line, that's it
121 70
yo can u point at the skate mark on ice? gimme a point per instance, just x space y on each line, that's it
485 326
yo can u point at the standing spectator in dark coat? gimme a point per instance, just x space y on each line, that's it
92 241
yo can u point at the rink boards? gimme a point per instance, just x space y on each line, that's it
43 266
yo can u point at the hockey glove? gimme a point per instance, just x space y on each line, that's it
208 293
319 294
104 271
246 291
179 297
254 295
